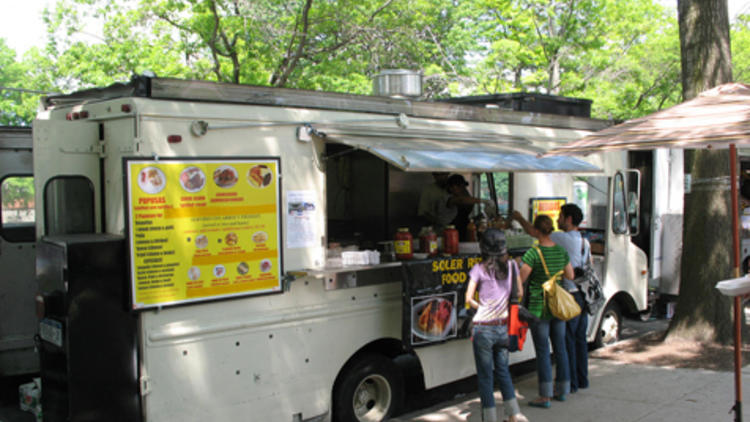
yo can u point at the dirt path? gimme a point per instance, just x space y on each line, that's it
652 350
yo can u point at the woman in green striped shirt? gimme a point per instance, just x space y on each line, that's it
549 327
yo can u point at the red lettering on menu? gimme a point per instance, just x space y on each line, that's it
186 198
226 199
549 206
226 194
199 198
152 200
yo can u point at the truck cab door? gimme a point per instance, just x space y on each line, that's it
626 202
627 264
68 182
17 284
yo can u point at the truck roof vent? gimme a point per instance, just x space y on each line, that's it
397 83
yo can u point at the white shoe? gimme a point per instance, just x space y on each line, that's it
520 417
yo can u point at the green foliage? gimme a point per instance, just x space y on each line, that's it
14 110
623 55
740 36
18 192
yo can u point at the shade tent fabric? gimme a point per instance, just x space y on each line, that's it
715 118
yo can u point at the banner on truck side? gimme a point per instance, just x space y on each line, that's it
434 299
203 229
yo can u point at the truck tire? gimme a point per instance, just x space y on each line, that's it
610 326
370 390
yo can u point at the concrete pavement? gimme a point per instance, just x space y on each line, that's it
618 393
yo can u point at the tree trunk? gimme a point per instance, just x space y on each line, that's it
702 313
553 84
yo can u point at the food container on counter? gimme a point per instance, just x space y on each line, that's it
451 240
428 241
403 244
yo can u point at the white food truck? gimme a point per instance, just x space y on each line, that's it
189 237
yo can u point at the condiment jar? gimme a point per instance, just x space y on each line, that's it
451 240
471 232
428 241
403 244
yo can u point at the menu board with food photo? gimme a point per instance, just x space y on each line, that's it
203 229
434 299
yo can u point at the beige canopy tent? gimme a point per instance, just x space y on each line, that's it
717 118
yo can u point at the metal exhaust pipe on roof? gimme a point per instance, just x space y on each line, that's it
398 83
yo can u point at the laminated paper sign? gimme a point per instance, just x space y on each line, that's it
203 229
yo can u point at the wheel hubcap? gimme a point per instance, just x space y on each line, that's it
609 329
372 398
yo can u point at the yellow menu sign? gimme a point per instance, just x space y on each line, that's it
547 206
203 229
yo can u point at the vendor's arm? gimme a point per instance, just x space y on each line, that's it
527 227
455 200
470 290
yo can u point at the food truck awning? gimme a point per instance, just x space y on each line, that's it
461 153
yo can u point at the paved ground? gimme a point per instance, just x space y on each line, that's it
618 393
461 390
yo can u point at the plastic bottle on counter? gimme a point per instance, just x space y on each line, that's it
403 245
428 241
451 240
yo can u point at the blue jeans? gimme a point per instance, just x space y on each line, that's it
490 343
577 347
553 329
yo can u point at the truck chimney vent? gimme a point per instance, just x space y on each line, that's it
398 83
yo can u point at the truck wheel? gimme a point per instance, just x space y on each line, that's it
609 327
369 391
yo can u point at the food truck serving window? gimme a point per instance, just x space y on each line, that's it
69 205
18 218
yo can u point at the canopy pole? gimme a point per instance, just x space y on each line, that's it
737 301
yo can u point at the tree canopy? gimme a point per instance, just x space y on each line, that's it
623 55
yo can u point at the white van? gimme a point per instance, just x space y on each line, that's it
188 250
